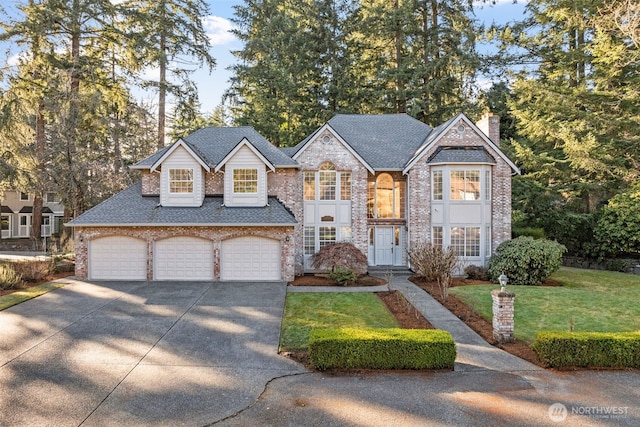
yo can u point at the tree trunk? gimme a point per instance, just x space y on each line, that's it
162 92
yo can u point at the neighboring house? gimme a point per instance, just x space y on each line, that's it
17 214
225 204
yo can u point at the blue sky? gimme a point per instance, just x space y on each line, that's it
212 86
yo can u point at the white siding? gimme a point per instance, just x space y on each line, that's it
181 159
245 159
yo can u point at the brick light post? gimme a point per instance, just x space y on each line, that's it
503 324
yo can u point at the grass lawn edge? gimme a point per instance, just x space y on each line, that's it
23 295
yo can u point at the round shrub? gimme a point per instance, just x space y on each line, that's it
526 261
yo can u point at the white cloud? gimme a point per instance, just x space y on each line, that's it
218 30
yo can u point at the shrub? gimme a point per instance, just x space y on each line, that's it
526 261
475 272
536 233
434 263
9 278
343 276
342 254
381 349
34 271
588 349
618 229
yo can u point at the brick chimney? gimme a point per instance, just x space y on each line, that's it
490 125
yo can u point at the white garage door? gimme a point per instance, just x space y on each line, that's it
183 258
118 258
250 258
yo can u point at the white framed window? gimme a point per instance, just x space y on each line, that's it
309 240
51 198
24 196
464 185
487 238
437 185
385 197
345 234
180 181
309 185
487 185
327 184
245 180
326 235
465 241
437 237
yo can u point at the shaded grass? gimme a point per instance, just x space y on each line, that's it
17 297
305 311
587 301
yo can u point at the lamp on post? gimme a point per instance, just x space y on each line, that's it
503 279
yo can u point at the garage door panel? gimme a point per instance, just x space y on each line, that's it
251 258
118 258
183 258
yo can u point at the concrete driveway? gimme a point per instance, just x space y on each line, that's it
101 354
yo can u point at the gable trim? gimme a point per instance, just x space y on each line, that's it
425 148
174 147
244 143
337 136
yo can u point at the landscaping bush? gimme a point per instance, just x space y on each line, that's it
342 254
526 261
34 271
536 233
618 229
475 272
588 349
343 276
9 279
434 263
347 348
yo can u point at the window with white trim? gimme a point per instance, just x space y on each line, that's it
437 185
465 241
24 196
437 237
309 240
245 180
326 235
327 184
180 181
385 197
464 185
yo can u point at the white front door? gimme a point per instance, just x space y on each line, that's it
25 225
384 245
6 226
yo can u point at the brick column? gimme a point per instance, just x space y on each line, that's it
503 315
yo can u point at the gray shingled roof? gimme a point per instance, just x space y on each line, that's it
213 144
384 141
129 208
461 155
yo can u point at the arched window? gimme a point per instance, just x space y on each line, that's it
386 197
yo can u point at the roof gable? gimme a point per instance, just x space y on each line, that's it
212 145
172 149
314 137
244 143
438 133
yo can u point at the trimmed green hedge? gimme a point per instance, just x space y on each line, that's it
588 349
347 348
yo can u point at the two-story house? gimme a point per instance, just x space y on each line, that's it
17 214
225 204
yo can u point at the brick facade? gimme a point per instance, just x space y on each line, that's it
419 189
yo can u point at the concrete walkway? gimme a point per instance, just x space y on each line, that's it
474 353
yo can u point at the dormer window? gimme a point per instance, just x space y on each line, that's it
180 181
245 181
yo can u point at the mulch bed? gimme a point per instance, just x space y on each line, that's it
410 318
472 319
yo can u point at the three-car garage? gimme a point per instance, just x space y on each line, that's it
184 258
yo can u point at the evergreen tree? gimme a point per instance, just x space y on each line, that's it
168 34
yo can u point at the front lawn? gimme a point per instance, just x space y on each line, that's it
588 301
305 311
